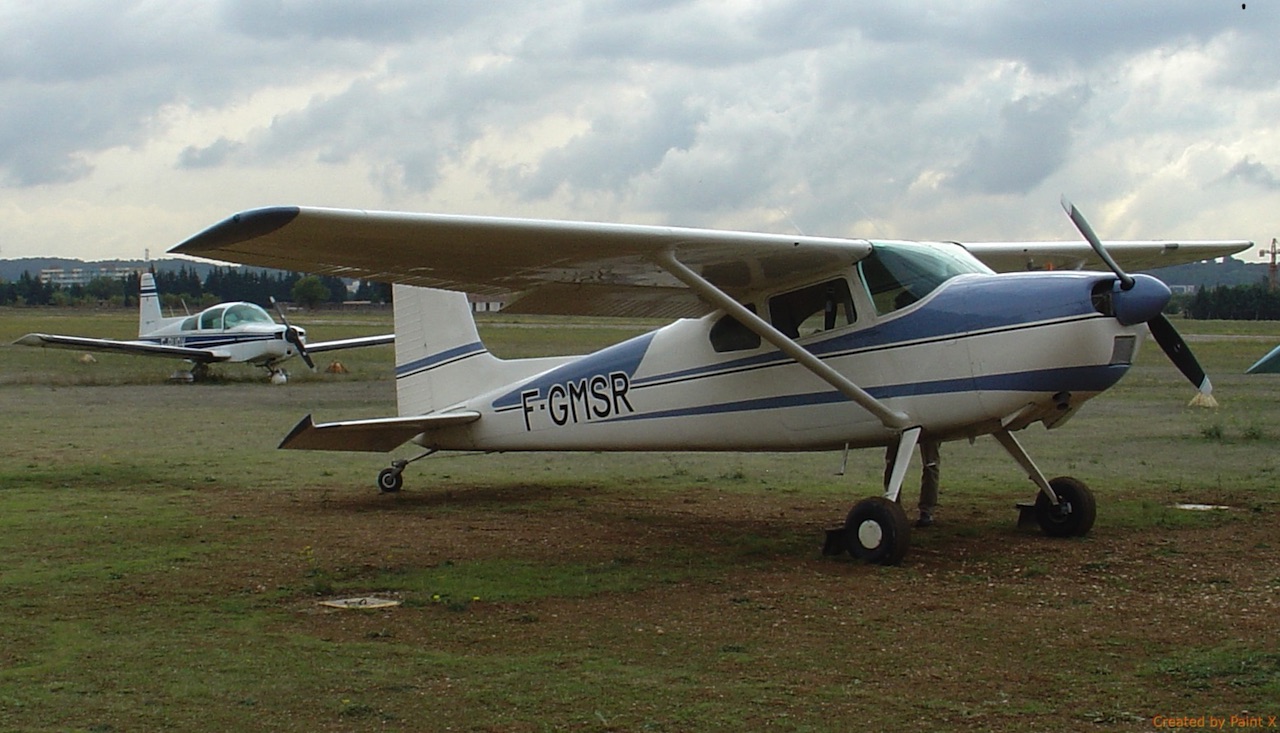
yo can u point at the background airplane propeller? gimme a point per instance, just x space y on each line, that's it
1161 329
292 336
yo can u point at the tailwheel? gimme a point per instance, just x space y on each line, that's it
877 531
1074 513
390 480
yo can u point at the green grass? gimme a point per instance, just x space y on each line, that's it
1233 666
162 563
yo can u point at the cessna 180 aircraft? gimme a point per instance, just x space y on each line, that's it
228 332
792 343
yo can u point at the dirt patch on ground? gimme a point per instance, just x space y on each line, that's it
989 629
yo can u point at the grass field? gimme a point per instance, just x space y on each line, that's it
162 564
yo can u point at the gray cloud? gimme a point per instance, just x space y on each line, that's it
1248 170
1032 142
683 110
617 148
210 155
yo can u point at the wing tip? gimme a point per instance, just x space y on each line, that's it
240 227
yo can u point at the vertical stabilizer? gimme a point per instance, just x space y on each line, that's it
440 360
149 317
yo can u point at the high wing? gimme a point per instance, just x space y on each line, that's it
1132 256
375 435
351 343
536 266
140 348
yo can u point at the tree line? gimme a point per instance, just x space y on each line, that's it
185 288
1232 303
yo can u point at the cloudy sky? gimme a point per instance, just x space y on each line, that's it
128 126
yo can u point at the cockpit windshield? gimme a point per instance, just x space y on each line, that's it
897 274
230 316
240 314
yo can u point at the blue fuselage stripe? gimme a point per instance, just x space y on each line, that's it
1072 379
439 359
211 341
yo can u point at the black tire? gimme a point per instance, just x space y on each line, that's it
1075 512
390 480
877 531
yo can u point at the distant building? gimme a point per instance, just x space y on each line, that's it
481 304
82 275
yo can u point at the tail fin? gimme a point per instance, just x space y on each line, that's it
149 316
440 360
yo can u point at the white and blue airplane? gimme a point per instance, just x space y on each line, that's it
227 332
783 343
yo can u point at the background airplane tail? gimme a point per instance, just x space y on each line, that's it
440 360
149 316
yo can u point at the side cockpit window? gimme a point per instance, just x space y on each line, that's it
727 334
211 319
813 309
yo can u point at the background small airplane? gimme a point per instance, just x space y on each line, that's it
227 332
797 343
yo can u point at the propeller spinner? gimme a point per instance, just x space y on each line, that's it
292 336
1161 329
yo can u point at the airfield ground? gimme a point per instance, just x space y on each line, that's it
161 566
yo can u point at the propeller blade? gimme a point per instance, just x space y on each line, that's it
1180 354
292 336
1126 282
1161 329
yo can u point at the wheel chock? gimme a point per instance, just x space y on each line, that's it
1027 515
834 543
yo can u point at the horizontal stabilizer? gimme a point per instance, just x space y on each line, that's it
1269 364
351 343
377 435
140 348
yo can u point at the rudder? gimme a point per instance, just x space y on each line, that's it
149 315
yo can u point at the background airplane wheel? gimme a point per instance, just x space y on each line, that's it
877 531
1075 512
390 480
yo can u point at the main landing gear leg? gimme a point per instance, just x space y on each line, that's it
1064 507
876 530
391 480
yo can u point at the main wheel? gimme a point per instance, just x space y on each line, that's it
877 531
390 480
1075 512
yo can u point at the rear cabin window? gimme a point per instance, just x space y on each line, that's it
813 309
727 334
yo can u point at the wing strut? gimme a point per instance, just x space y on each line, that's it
1014 448
890 418
906 446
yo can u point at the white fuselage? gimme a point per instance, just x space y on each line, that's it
980 353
